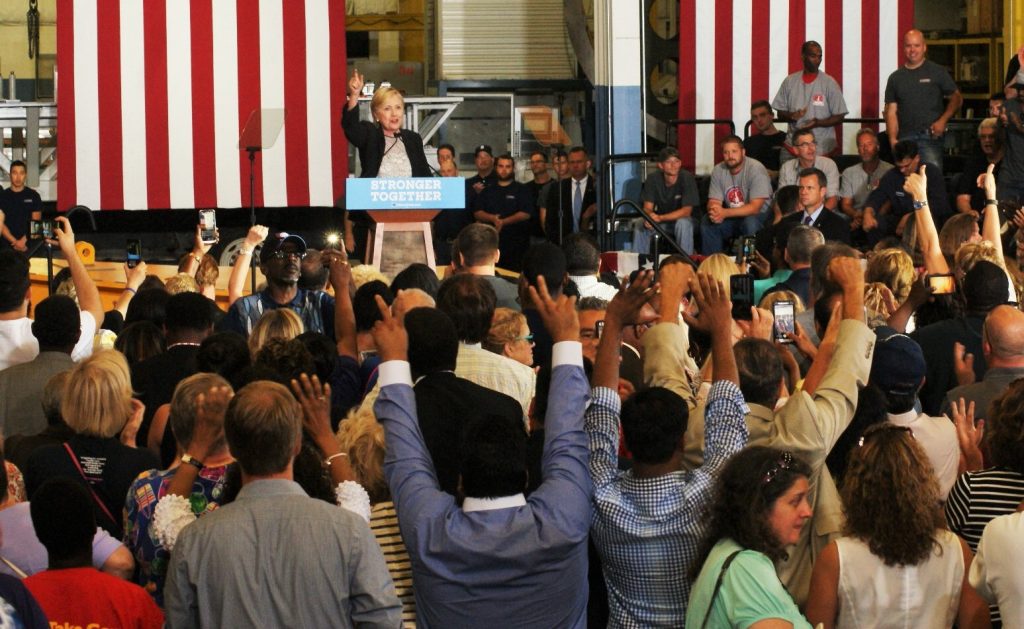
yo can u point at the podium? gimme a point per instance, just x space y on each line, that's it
402 209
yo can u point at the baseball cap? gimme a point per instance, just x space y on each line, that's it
486 148
898 365
667 153
985 286
275 242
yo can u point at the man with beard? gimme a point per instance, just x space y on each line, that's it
737 197
280 262
508 207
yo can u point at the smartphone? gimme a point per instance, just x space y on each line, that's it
745 248
741 287
942 283
208 226
40 229
366 355
133 252
782 311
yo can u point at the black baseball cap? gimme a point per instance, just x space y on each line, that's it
276 241
486 148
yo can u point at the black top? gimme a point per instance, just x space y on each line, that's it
368 138
154 380
890 188
765 148
18 208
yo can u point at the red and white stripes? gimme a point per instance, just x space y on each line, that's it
734 52
153 95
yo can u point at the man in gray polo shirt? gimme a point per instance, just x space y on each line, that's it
861 179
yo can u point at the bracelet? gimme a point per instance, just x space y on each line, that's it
991 202
129 289
328 460
244 252
198 259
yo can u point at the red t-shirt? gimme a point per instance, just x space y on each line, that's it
86 597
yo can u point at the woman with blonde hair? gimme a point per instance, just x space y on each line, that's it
894 268
721 267
98 406
896 565
282 323
510 336
385 149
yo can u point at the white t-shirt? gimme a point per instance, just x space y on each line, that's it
996 573
17 345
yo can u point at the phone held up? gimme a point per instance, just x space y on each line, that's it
208 226
133 252
785 322
942 284
741 290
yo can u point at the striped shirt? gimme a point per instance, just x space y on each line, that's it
976 499
384 524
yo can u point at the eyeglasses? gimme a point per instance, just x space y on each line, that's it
528 338
784 462
803 144
281 255
883 427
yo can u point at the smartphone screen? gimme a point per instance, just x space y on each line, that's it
35 230
741 287
208 225
942 284
782 311
134 252
745 248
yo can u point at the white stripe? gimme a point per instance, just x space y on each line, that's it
814 26
319 122
87 113
851 71
275 191
705 152
179 104
226 128
778 62
890 46
133 106
742 60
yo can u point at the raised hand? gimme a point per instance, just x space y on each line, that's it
315 400
389 334
624 308
559 316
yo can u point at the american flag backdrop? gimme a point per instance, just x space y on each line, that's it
153 95
734 52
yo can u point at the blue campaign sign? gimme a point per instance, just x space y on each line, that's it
405 193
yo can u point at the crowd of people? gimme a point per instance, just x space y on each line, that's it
564 448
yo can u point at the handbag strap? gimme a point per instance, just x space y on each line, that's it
88 484
718 586
21 574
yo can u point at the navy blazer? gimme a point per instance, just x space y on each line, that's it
368 138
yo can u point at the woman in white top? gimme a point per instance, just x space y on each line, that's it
896 565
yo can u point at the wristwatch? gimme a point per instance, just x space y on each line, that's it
920 204
191 460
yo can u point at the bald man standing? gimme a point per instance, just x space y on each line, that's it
1002 342
914 98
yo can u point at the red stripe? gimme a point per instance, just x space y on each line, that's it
296 140
723 67
157 159
797 33
339 78
869 96
905 22
204 161
108 91
760 50
833 50
248 12
67 191
685 134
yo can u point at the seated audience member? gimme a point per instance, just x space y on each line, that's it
525 559
1002 344
71 592
189 320
200 443
583 261
280 261
888 208
24 555
995 572
547 260
770 240
17 344
510 336
898 369
980 495
815 213
648 520
807 158
478 252
970 198
802 242
263 427
896 563
97 405
766 144
859 180
737 198
445 402
276 324
760 509
56 327
18 448
416 275
669 197
591 312
469 301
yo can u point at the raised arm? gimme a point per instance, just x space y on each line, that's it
666 345
133 280
88 294
927 236
990 228
240 269
344 316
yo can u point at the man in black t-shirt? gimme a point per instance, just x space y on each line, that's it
19 204
766 144
507 206
538 188
969 197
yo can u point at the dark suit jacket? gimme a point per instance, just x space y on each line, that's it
830 224
443 403
368 139
565 197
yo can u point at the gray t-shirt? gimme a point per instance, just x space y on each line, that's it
1013 164
918 95
790 171
857 184
752 182
823 99
670 198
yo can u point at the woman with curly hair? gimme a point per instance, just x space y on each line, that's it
759 509
896 565
510 336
